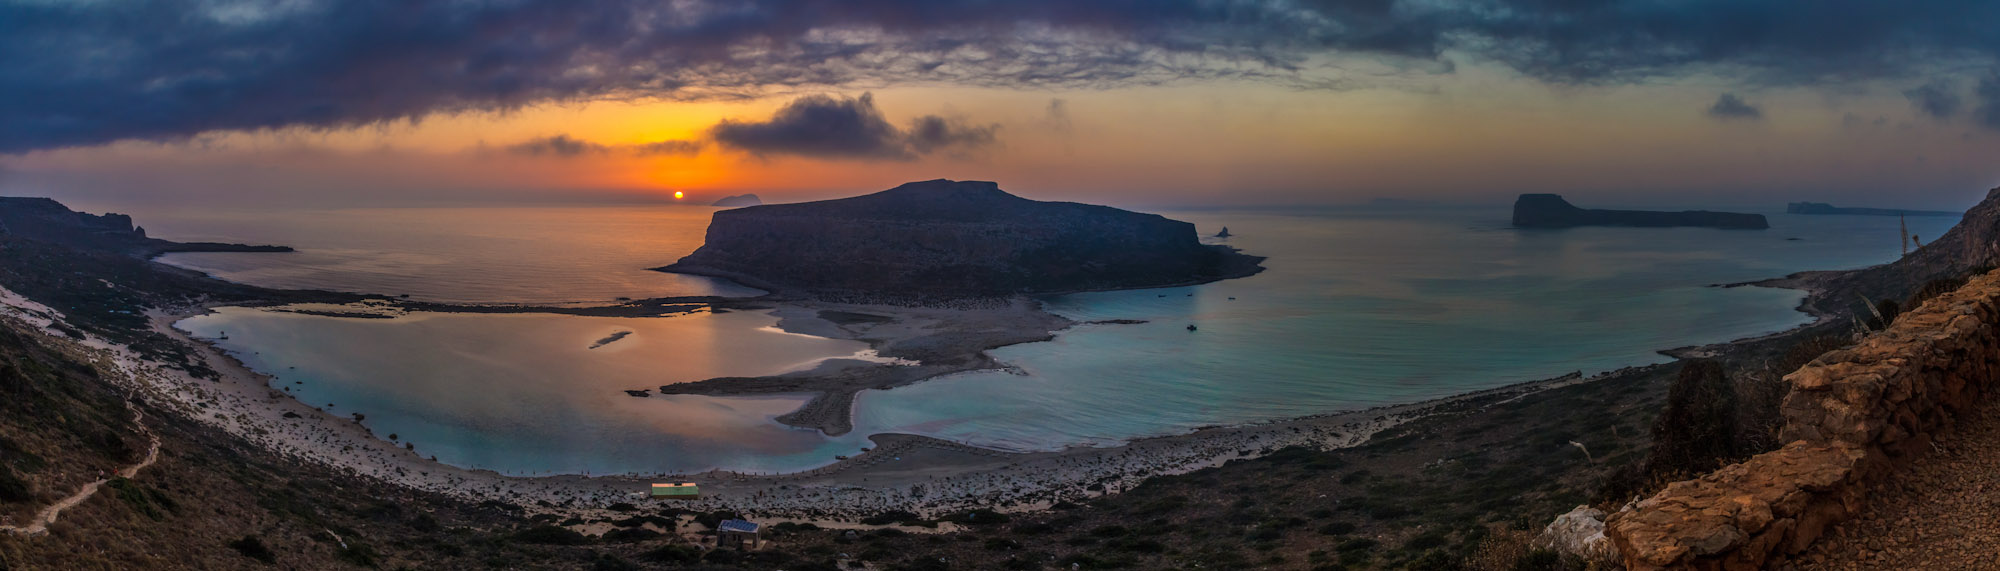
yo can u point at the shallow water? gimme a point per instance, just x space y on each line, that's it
525 393
1357 309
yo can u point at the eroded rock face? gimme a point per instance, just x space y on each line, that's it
1551 211
1852 416
947 238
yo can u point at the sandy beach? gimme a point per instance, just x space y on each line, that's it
902 472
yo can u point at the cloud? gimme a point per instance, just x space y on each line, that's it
829 127
1729 107
86 73
565 146
1056 116
668 148
558 146
1938 99
1988 93
931 133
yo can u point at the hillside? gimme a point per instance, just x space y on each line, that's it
49 221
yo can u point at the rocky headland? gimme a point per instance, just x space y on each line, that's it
1817 208
737 200
46 220
944 239
1551 211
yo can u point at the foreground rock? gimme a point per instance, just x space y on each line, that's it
950 239
1551 211
1852 417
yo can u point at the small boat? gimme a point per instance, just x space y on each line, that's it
840 457
1190 327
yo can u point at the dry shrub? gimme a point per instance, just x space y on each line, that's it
1515 550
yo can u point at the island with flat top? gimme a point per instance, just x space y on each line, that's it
954 239
1551 211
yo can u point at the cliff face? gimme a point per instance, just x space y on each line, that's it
1551 211
1824 208
46 220
949 239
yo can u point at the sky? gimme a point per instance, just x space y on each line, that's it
1695 103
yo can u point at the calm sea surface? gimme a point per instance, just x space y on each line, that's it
1357 309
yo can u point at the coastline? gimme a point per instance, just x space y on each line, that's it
903 472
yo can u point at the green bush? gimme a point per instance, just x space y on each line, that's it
13 488
609 562
550 535
1696 432
630 535
252 547
672 554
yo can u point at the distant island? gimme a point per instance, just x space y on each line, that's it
953 239
738 200
1551 211
46 220
1824 208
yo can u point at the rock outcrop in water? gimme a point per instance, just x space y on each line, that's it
951 239
1824 208
738 200
46 220
1551 211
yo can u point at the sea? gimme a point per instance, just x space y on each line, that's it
1359 307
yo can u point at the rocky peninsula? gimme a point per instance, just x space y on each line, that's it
944 239
46 220
1551 211
1818 208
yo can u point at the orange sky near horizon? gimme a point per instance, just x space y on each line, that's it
1478 135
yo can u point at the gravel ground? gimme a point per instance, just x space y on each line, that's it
1941 513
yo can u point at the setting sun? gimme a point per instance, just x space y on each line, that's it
679 195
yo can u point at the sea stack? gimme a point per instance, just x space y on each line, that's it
1551 211
954 239
737 201
1224 233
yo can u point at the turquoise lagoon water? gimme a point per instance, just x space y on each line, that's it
1357 309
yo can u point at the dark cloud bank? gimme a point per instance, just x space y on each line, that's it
565 146
83 73
1729 107
828 127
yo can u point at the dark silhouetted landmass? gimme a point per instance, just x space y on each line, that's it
1824 208
1551 211
738 201
947 239
46 220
